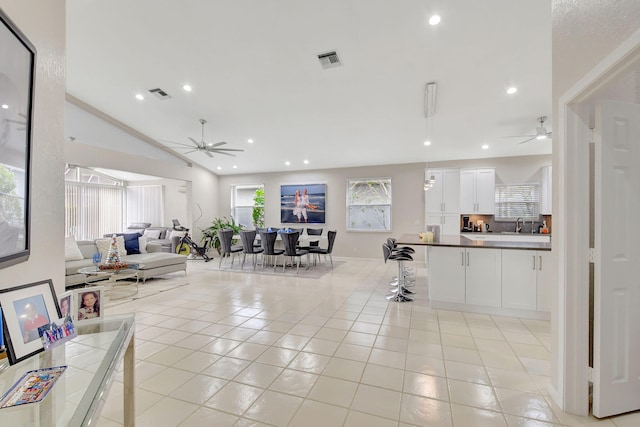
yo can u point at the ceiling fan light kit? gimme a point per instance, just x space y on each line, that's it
540 135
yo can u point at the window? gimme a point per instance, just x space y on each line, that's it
369 204
242 203
145 204
517 201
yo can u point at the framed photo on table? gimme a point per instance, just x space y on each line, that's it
65 301
17 70
24 309
88 303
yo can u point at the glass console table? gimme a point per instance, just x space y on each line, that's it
92 359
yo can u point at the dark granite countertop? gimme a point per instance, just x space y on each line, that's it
462 242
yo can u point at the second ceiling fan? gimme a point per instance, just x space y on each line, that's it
207 148
541 132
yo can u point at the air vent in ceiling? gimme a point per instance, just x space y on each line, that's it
159 93
329 59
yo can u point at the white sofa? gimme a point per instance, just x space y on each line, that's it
156 262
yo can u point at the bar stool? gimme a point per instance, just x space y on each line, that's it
400 291
407 271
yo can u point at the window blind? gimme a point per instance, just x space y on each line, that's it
517 201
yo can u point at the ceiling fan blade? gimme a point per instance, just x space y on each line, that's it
224 149
191 151
527 140
217 144
208 153
519 136
180 144
222 152
195 142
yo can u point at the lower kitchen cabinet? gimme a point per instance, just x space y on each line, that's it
484 277
446 274
526 279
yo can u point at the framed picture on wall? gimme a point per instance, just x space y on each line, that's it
17 70
303 203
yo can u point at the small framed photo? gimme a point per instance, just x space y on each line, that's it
88 303
65 301
24 309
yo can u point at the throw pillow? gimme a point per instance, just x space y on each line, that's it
131 244
142 244
71 249
152 234
104 245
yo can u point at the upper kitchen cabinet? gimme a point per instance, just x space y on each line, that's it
545 190
477 191
444 196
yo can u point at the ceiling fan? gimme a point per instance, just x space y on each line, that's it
541 132
207 148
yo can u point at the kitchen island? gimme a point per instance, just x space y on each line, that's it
488 276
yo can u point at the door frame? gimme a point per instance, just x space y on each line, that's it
569 386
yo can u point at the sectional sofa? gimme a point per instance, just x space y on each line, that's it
156 262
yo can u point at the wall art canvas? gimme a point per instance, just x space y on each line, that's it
303 203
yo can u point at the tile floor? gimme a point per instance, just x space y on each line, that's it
238 349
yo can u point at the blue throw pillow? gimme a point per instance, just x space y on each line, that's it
131 243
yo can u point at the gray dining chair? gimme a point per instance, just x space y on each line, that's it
248 238
226 247
268 241
290 241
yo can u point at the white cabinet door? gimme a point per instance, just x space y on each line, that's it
544 280
519 284
485 191
446 274
450 225
451 191
545 190
433 197
467 191
484 277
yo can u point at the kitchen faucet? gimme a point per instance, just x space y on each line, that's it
519 224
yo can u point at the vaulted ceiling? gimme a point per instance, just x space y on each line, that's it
255 74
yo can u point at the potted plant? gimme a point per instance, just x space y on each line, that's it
220 224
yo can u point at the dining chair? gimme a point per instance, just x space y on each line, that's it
268 241
312 243
290 241
248 238
331 238
226 246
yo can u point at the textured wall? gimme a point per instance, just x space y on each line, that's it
44 25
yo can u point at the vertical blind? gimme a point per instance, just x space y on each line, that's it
92 210
145 204
518 201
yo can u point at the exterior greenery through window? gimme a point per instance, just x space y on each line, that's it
243 202
517 201
369 204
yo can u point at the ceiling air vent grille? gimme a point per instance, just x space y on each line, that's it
329 59
159 93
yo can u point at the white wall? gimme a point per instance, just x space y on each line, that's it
584 33
407 192
43 23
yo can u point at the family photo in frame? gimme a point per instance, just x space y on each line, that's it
25 308
88 303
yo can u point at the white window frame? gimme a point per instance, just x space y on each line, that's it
352 203
237 204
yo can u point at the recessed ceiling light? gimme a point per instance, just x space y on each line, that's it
287 163
485 147
427 143
139 96
187 88
219 168
306 162
434 20
250 141
5 106
235 166
512 90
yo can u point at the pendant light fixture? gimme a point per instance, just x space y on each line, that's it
429 111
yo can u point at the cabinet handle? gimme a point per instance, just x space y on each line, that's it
467 259
540 265
441 207
462 259
533 267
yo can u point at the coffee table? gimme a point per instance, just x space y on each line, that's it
114 278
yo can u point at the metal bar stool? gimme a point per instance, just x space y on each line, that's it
400 292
